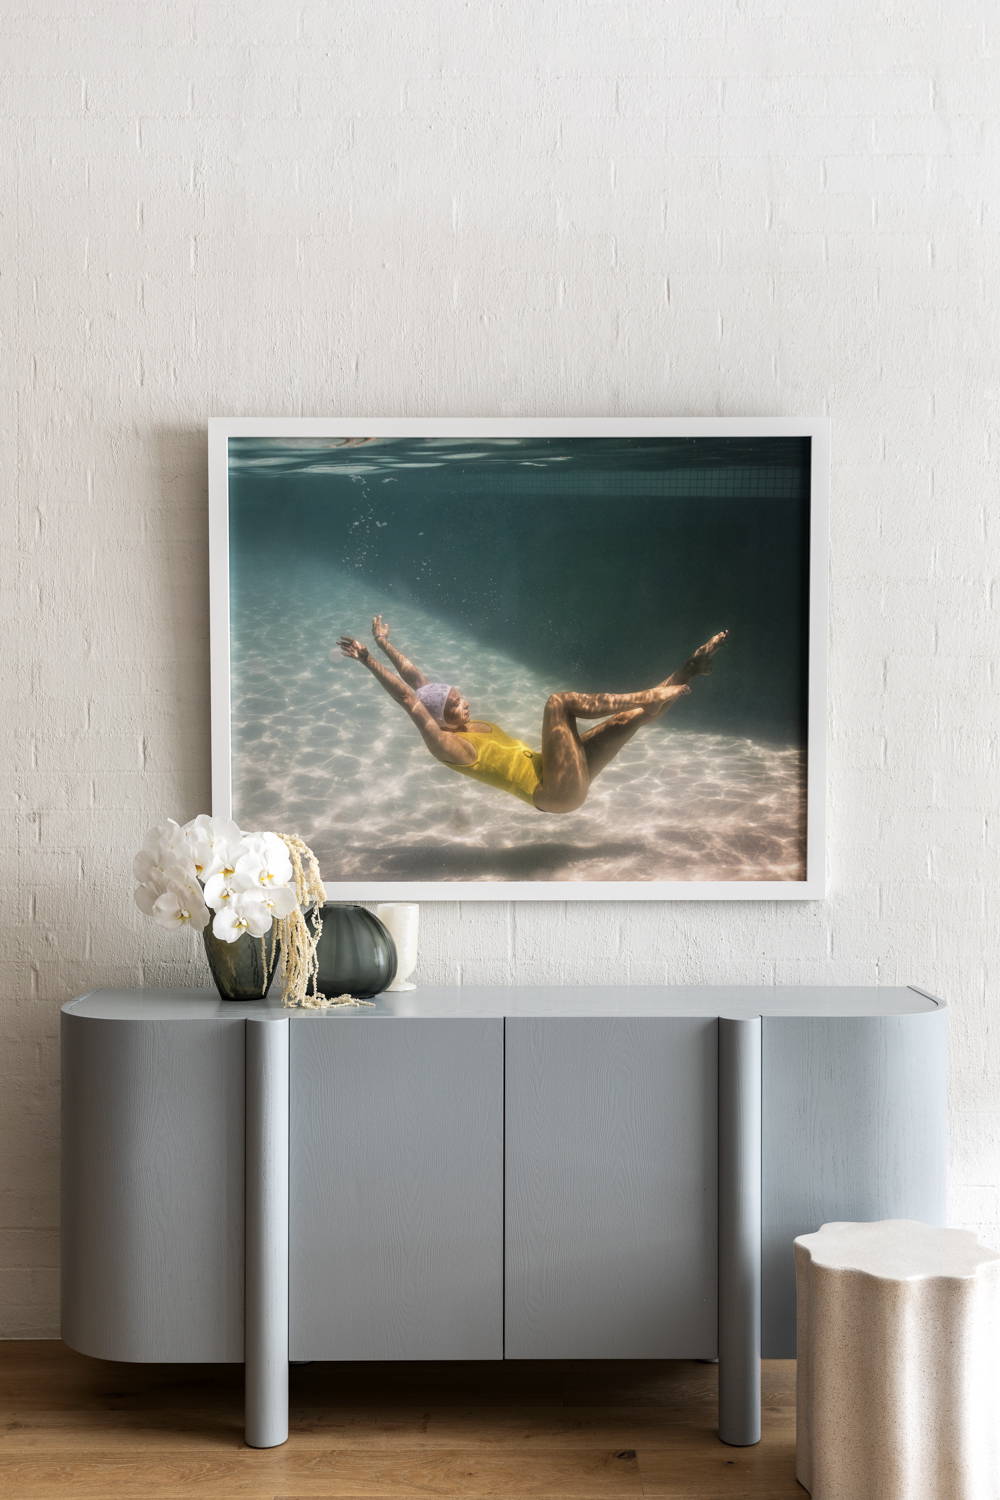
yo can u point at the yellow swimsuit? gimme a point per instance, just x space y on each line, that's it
508 764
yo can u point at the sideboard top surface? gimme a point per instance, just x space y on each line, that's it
483 1001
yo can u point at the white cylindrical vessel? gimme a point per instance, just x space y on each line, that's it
402 918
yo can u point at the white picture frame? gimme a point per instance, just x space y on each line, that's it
812 887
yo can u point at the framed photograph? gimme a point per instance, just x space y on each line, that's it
494 658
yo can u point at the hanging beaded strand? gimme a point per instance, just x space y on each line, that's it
293 942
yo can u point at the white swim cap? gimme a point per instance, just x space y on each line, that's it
434 696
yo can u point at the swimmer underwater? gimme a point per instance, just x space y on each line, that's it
555 779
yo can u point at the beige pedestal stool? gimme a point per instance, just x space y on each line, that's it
898 1363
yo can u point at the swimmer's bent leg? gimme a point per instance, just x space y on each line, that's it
602 744
565 772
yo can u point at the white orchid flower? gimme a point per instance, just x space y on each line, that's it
214 844
244 913
163 849
265 860
279 900
146 897
146 867
223 887
181 906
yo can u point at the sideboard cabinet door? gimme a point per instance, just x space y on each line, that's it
152 1189
854 1127
611 1172
396 1188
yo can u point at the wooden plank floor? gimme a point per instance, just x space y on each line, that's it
91 1430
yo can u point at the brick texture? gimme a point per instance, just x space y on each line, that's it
478 207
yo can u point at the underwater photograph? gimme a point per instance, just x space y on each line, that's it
523 659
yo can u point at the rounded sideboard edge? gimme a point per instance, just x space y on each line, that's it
152 1189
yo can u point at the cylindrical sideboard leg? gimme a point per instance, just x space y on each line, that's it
266 1217
739 1230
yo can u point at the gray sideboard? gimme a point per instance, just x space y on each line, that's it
481 1173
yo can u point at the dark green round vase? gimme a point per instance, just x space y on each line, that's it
239 969
356 954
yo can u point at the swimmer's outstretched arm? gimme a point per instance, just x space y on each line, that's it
441 744
410 674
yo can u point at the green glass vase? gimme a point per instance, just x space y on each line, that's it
355 953
239 969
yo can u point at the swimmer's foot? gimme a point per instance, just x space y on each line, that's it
699 663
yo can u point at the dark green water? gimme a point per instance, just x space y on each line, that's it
600 563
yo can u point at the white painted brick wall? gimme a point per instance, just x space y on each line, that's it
575 207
